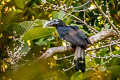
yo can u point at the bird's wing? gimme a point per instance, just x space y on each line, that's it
84 36
81 34
73 37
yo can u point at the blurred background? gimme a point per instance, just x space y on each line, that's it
23 40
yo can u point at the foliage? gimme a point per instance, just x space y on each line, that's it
23 40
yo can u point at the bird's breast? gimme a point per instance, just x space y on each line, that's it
62 31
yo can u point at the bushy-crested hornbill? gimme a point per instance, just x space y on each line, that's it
76 37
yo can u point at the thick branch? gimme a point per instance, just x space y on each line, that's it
102 35
95 38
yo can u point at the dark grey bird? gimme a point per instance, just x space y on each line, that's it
77 39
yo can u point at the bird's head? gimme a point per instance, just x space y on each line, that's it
54 23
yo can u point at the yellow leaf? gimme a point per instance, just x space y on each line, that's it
63 43
6 9
7 0
44 48
50 15
14 9
1 35
100 22
99 17
33 17
92 6
9 79
117 47
5 66
52 64
10 37
55 57
29 43
118 25
3 2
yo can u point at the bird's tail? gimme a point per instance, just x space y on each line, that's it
79 59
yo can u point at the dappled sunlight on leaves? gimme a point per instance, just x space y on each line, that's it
23 39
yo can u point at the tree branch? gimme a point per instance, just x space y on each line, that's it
84 22
66 10
95 38
106 16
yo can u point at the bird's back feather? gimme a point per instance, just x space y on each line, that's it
71 35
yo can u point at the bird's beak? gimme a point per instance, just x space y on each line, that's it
48 24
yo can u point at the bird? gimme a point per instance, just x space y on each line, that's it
76 37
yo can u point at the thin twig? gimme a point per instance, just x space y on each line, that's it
84 23
82 5
103 46
106 57
65 10
84 10
110 49
66 57
65 70
106 16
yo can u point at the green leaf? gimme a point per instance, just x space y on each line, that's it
84 76
89 75
115 69
28 24
40 22
8 19
102 68
41 42
107 26
0 15
20 3
25 49
58 15
116 52
102 52
22 27
75 76
90 63
38 32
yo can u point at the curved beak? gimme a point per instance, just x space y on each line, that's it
48 24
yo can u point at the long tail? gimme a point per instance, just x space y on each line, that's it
79 59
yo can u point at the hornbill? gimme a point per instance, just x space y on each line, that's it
76 37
